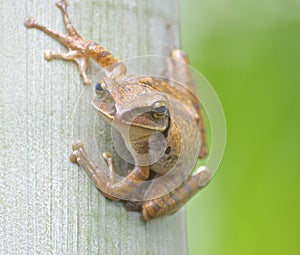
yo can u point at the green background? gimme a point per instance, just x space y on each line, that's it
250 53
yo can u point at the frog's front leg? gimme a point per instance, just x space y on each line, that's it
80 50
172 201
106 184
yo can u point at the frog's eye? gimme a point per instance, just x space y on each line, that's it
159 109
100 88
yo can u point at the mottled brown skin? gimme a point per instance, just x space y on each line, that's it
118 108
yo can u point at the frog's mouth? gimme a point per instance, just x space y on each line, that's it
140 117
147 121
107 110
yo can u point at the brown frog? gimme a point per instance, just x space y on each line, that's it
160 121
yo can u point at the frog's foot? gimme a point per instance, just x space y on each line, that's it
72 40
112 190
171 202
80 50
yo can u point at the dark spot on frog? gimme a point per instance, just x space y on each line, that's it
168 150
165 133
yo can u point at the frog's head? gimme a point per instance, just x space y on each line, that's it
129 104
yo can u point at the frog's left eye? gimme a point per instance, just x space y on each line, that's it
159 109
100 88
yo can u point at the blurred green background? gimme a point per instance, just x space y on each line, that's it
250 53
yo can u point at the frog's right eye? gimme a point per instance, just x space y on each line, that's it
100 88
159 109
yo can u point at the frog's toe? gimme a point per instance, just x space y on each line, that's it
107 155
78 144
204 176
74 157
77 148
30 22
48 54
61 4
86 80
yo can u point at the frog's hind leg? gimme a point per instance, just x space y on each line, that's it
80 50
180 71
135 206
172 201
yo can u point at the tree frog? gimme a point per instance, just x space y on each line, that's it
154 117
